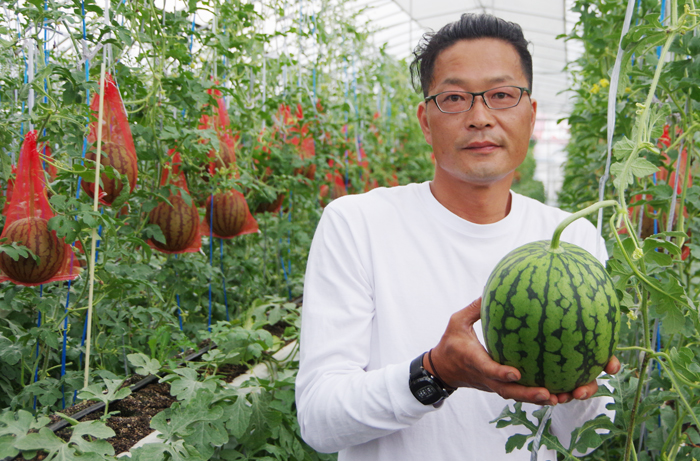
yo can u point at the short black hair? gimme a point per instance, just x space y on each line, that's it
468 27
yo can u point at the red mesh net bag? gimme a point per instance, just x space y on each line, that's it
178 221
26 223
225 157
231 216
117 148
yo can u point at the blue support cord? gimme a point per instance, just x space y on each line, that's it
211 253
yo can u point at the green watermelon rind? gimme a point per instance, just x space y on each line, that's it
558 346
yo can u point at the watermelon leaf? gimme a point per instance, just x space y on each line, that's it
591 435
642 167
665 308
518 417
144 365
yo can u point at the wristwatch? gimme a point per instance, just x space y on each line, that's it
426 388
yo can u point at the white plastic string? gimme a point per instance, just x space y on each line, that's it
538 436
95 205
301 48
674 197
264 86
108 46
29 44
612 103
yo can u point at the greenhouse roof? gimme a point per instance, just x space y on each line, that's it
400 24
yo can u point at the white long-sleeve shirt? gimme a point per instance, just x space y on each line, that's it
386 271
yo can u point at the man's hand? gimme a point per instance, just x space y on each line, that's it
462 361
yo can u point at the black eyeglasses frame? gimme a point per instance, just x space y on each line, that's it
474 95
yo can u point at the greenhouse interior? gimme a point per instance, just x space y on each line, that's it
349 229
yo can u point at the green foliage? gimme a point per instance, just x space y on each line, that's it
653 266
354 102
524 182
96 392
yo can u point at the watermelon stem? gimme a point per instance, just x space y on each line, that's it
554 245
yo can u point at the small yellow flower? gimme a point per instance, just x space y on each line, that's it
595 88
628 90
604 82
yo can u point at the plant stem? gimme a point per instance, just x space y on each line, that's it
641 122
579 214
630 429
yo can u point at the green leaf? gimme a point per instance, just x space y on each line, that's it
623 177
205 436
185 383
97 429
642 168
658 113
623 148
651 244
177 451
664 307
240 417
45 440
113 390
586 436
7 447
144 365
19 423
515 441
177 420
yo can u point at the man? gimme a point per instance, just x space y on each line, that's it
390 272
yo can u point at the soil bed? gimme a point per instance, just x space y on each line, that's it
134 418
132 423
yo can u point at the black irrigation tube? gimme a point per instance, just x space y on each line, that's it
58 425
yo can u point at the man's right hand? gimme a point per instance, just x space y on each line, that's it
462 361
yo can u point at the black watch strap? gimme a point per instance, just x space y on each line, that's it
426 388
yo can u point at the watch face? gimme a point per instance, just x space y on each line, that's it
425 393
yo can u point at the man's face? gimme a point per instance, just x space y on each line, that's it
481 146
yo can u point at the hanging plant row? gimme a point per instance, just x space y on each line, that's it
163 172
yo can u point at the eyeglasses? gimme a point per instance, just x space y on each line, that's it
454 102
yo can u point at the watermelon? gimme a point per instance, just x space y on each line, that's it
33 233
178 223
118 157
551 311
230 213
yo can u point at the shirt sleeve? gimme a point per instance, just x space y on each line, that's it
339 402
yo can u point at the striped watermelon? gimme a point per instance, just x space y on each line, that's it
230 213
118 157
33 233
551 313
177 222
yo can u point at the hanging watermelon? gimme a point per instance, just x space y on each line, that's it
178 221
231 216
26 224
117 148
